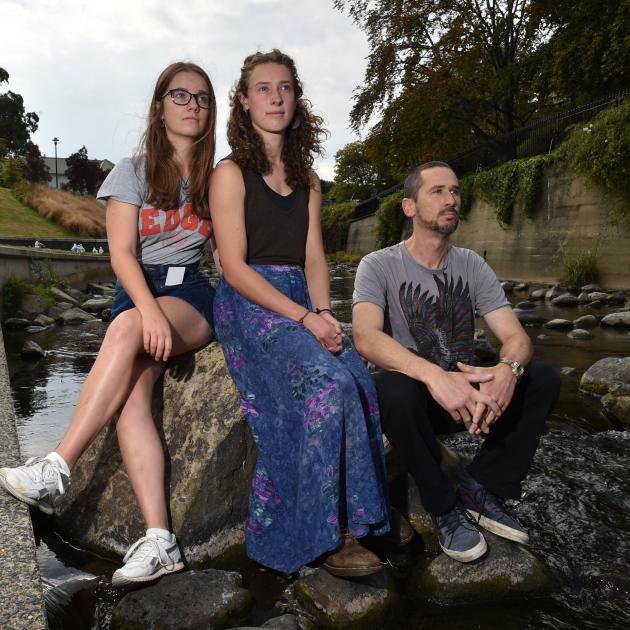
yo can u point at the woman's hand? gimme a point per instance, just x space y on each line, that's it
156 333
329 334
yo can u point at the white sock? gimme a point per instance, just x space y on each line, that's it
55 457
160 533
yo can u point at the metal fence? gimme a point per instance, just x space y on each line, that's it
541 136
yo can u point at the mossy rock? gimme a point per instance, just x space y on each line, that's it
346 602
508 570
605 374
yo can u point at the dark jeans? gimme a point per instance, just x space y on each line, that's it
411 418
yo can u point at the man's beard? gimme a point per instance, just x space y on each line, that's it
434 226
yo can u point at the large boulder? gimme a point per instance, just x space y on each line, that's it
209 461
617 404
97 305
606 374
508 570
62 296
185 601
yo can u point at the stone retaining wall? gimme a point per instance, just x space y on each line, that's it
21 596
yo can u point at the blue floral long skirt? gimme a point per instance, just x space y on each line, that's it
314 418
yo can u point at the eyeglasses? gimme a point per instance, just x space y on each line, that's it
179 96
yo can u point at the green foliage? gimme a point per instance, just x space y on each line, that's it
16 125
12 171
355 176
335 220
600 150
390 220
44 278
513 183
580 269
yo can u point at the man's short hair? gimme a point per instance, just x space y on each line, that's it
413 181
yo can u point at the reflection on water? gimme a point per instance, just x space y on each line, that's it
576 499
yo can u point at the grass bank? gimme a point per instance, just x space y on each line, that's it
17 219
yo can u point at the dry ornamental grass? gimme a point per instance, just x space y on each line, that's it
79 214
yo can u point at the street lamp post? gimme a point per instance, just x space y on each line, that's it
55 140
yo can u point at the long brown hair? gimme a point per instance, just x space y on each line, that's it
302 139
163 176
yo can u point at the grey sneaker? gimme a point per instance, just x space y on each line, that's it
489 510
458 537
148 559
39 482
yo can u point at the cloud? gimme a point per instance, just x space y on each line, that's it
88 68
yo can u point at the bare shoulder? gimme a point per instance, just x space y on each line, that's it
227 174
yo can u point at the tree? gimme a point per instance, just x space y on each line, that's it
16 125
589 54
84 175
35 169
355 175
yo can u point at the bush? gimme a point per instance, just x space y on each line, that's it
580 269
390 220
12 171
336 219
344 257
600 150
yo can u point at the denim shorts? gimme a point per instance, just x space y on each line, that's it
194 289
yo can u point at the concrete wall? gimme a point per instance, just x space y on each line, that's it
572 216
361 235
77 269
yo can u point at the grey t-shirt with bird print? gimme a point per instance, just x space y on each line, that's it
430 311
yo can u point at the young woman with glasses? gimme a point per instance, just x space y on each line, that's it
157 226
310 402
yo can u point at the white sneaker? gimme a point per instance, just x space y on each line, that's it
149 558
40 482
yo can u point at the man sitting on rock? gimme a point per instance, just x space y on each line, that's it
414 317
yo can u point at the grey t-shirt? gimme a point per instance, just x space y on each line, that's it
174 236
430 311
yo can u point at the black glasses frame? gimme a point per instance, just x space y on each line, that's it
190 95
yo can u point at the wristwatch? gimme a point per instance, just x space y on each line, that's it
515 366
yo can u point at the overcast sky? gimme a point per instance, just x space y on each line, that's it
87 67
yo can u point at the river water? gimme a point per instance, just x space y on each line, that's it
576 501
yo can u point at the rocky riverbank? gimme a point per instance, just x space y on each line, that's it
210 457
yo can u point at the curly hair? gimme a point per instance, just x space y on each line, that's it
302 139
163 176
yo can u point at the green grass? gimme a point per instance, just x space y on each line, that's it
16 219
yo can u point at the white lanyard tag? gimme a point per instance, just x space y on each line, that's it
175 275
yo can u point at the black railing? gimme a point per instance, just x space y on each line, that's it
541 136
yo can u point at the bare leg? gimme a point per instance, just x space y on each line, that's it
109 381
138 438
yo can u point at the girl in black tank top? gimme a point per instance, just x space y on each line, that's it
309 400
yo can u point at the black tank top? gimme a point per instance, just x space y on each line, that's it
276 226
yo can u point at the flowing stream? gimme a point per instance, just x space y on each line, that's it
576 501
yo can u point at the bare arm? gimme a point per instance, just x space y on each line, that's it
122 233
451 390
227 203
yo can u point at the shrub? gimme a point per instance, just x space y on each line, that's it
580 269
599 150
336 219
390 220
344 257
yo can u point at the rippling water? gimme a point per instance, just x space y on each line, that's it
576 500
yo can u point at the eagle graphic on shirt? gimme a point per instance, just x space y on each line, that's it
441 325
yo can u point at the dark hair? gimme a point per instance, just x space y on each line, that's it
163 176
302 139
413 181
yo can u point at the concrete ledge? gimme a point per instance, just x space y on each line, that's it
21 596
